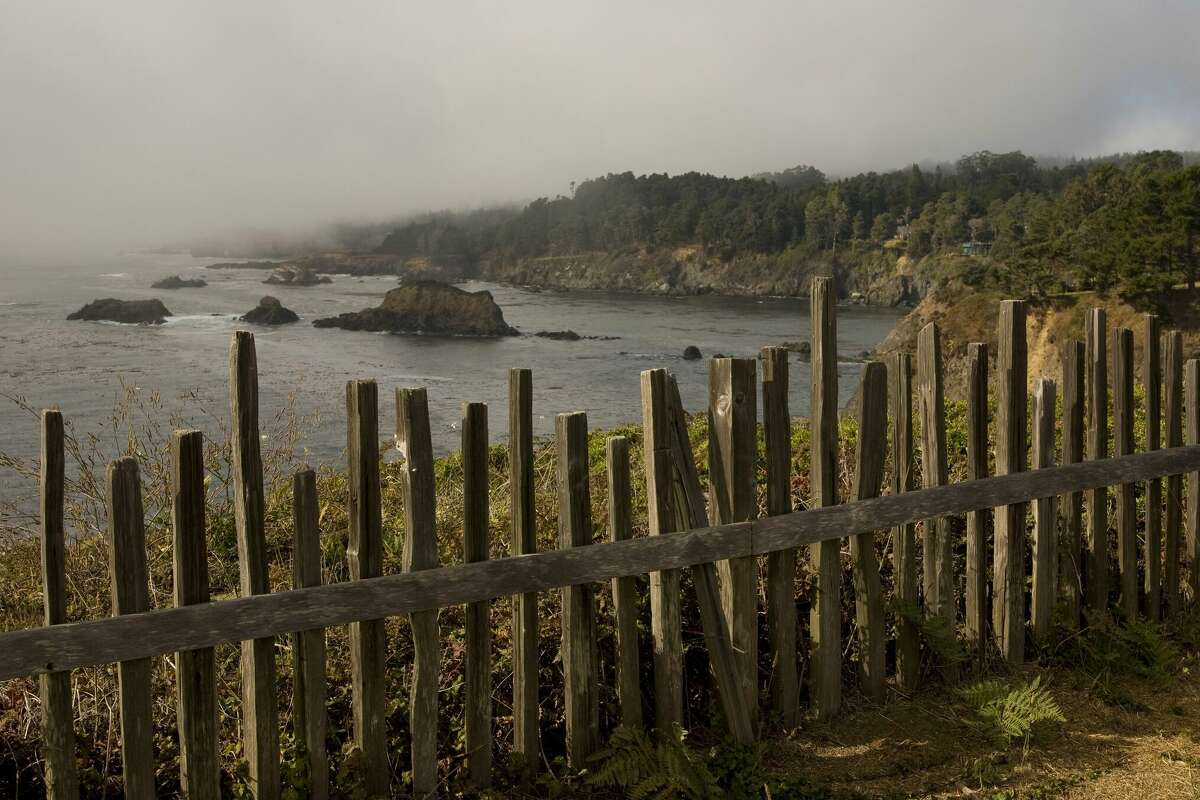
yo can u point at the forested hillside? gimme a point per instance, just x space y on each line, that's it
1129 223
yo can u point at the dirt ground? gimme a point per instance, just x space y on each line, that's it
1142 745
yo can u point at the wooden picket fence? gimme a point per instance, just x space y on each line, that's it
713 533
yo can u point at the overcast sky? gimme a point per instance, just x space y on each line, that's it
132 122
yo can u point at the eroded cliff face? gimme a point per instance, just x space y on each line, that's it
965 314
877 278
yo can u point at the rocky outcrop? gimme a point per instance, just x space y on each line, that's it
269 311
428 307
245 265
290 275
130 312
442 268
571 336
176 282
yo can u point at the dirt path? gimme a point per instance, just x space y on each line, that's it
1144 748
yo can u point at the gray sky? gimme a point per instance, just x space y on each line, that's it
132 122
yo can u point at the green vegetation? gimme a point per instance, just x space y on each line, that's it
1006 714
1129 222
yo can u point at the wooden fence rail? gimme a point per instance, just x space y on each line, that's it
689 530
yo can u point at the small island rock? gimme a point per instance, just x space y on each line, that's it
428 307
270 311
692 353
296 276
176 282
130 312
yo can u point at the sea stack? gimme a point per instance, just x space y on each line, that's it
269 311
129 312
428 307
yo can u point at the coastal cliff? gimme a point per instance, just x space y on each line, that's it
877 278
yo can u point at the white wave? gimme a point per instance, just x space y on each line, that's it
114 275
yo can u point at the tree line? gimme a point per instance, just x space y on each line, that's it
1128 222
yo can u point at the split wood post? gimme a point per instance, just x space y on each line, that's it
414 441
1122 376
364 551
1096 563
688 508
1008 580
526 739
665 621
58 727
871 451
931 408
309 690
1045 534
579 654
977 468
624 589
1191 381
131 595
781 564
677 503
1071 560
826 622
199 754
260 711
904 545
732 454
1173 359
1152 385
476 512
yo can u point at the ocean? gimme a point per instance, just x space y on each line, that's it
180 369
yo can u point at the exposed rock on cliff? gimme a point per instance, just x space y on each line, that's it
176 282
428 307
270 311
131 312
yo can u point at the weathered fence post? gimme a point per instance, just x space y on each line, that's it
826 623
665 620
131 595
1096 563
414 441
260 711
977 465
1173 357
58 726
309 691
624 589
579 655
1152 384
904 546
732 453
1122 356
677 504
936 545
1008 580
1191 375
526 739
199 755
1045 535
1070 579
871 452
478 703
781 564
364 551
